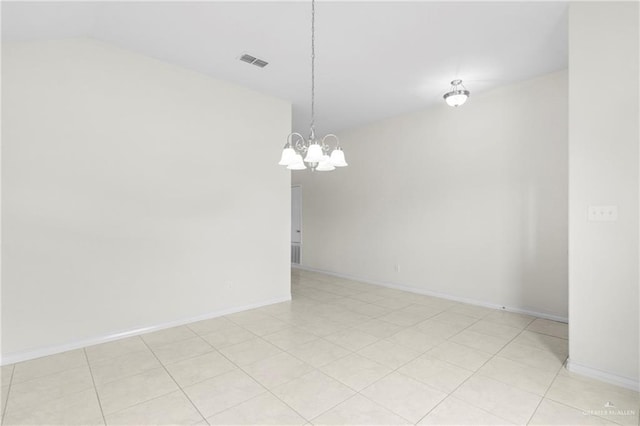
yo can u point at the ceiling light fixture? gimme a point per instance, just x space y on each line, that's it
316 152
457 94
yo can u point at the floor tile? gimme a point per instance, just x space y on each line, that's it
482 342
498 398
51 364
197 369
264 409
551 344
278 369
392 303
172 408
553 413
368 297
389 354
593 397
266 326
219 393
79 408
436 373
3 398
511 319
115 349
533 357
414 339
110 369
250 351
37 391
495 329
438 331
247 317
120 394
471 310
352 339
228 336
169 335
453 411
318 352
380 329
312 394
422 311
359 410
356 371
453 318
211 325
404 396
7 372
290 337
460 355
519 375
551 328
403 319
184 349
320 326
370 310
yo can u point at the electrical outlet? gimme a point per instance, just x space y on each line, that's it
603 213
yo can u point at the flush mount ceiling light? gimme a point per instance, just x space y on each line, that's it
317 153
457 94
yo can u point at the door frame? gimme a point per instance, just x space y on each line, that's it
298 186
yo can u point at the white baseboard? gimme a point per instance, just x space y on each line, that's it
14 357
603 376
436 294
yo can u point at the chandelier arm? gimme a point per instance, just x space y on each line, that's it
332 136
299 145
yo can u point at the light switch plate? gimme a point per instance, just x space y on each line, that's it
603 213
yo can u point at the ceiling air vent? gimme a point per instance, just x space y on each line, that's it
253 60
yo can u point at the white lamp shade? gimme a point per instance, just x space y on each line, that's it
337 158
297 164
288 157
456 99
314 153
325 165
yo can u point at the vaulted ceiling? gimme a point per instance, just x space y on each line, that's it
374 59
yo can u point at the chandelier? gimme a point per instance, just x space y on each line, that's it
457 94
317 153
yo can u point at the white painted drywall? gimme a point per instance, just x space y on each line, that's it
468 202
134 193
603 152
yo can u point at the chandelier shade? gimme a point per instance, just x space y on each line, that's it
317 154
457 94
325 165
297 163
337 158
314 153
288 156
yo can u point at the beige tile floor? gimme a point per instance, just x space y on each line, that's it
342 352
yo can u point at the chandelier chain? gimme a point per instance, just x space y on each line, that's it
313 64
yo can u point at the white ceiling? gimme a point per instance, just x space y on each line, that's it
374 59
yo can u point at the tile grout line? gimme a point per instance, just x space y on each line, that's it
470 376
174 381
93 381
267 389
4 409
544 395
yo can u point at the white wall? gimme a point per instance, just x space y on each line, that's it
468 202
603 152
135 194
